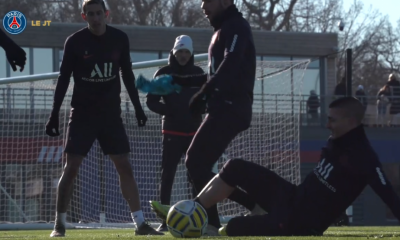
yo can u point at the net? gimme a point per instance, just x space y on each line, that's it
31 163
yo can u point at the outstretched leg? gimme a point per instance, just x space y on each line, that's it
214 192
260 183
209 143
268 189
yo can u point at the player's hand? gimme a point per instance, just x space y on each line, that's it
16 56
197 103
141 117
52 127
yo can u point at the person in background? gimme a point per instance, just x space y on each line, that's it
383 100
340 89
313 104
178 124
361 96
394 109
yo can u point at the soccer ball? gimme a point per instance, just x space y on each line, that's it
187 219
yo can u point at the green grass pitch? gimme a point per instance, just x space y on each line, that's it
348 233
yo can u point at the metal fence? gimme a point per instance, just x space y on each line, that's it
375 115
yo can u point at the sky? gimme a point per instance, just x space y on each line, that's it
386 7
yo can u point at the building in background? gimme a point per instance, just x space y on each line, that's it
44 47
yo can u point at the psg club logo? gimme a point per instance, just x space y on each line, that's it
14 22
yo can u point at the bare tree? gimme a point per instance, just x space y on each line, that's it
187 13
367 33
69 11
32 9
157 17
143 8
122 12
316 16
269 14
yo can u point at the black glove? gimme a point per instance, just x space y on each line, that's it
16 56
141 117
52 126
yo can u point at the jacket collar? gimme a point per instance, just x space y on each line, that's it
355 135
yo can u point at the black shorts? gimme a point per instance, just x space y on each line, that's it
111 135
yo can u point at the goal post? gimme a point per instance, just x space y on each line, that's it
31 163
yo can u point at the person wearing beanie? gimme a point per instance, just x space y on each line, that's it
183 49
178 124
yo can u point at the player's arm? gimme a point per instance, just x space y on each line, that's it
236 42
16 56
383 188
129 81
66 68
127 74
4 39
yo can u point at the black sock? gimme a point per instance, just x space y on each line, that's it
213 217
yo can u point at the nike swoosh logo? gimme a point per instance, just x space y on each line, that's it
87 56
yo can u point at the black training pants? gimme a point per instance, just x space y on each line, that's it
173 147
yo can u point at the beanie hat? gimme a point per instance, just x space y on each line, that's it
183 42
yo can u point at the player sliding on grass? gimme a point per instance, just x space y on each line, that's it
347 165
229 97
95 55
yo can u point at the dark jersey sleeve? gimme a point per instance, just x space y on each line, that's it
383 188
66 68
236 42
127 74
4 39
